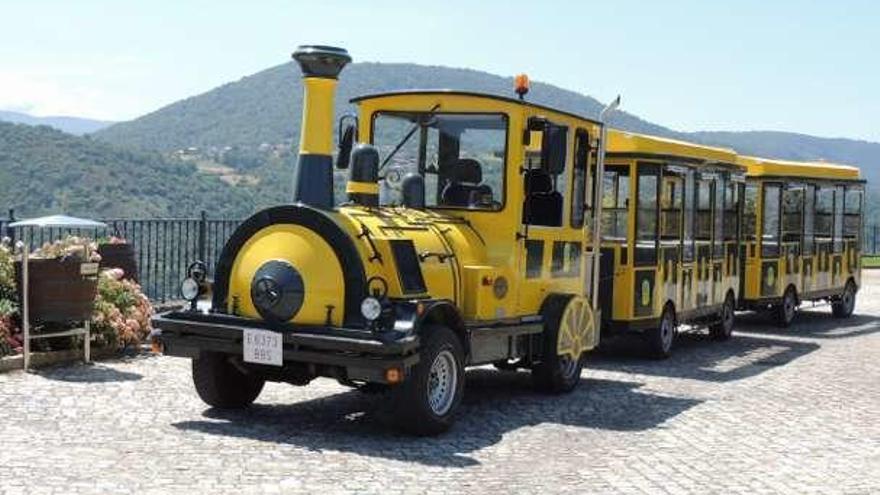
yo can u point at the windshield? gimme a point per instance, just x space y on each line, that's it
460 156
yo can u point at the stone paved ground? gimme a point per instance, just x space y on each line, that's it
771 411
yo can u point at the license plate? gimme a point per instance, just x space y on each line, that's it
262 347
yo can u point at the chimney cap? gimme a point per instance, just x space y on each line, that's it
321 60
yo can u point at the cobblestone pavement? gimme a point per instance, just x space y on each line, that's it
770 411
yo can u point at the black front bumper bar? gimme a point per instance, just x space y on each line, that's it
363 354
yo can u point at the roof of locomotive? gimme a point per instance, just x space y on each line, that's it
472 94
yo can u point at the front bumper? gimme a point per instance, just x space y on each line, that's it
360 354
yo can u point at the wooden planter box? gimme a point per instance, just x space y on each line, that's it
119 256
60 290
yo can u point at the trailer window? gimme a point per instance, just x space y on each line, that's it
615 201
689 203
809 219
718 219
852 212
770 226
838 219
731 204
670 209
460 156
792 215
824 214
646 214
750 210
703 230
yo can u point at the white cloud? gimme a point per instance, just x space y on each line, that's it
42 95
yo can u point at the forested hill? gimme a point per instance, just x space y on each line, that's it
46 171
266 107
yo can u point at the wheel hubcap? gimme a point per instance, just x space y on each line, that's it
442 382
666 332
789 306
728 318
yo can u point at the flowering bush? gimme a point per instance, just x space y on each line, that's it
69 247
122 311
112 240
10 338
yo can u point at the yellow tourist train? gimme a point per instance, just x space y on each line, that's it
475 229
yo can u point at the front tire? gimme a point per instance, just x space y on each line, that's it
556 374
786 311
661 338
724 328
426 402
844 305
220 384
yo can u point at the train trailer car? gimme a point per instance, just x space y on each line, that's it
802 225
468 236
670 234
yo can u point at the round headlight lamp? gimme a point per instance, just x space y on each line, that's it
371 308
190 289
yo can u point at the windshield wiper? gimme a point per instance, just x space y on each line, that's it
409 134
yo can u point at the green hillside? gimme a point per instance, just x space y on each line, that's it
266 107
43 171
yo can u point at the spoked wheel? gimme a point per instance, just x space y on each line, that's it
568 327
661 338
844 305
426 402
724 328
786 311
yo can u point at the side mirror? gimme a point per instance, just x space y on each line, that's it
346 143
554 146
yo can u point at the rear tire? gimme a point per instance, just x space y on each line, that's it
843 307
724 328
660 339
786 311
220 384
555 374
426 402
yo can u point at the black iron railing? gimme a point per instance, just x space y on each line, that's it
163 247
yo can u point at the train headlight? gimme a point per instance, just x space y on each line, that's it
371 308
190 289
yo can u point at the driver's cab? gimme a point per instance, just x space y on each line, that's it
518 177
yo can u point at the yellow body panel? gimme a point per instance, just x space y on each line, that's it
308 253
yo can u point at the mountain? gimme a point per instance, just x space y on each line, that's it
44 171
266 107
72 125
799 147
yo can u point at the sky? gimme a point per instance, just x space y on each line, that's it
799 66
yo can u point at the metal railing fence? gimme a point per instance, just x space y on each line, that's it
163 247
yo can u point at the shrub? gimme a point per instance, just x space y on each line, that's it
122 311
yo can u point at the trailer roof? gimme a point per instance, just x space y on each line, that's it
630 143
768 167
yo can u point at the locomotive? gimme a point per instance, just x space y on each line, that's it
469 236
